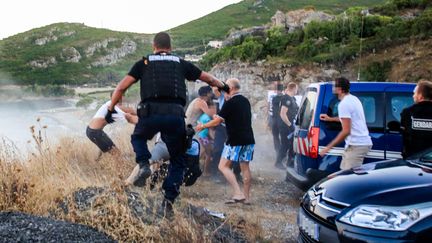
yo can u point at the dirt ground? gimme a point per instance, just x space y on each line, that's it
274 201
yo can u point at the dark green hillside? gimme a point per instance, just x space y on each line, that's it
338 41
50 48
71 53
250 13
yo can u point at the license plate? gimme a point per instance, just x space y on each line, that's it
308 226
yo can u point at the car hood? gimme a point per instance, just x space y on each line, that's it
393 183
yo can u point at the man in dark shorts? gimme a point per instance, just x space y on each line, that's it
95 128
239 147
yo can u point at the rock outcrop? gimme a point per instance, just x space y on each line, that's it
70 54
116 54
43 63
238 34
48 38
98 46
296 19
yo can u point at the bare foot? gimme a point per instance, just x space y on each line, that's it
238 197
247 202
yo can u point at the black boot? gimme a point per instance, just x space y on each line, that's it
166 209
144 172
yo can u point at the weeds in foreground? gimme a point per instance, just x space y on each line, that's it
45 180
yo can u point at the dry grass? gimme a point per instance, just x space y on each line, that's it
37 184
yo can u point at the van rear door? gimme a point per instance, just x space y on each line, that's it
397 98
303 143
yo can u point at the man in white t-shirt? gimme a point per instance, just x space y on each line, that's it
354 128
95 128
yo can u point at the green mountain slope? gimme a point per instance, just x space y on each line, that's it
70 53
249 13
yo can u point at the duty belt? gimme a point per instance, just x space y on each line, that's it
154 108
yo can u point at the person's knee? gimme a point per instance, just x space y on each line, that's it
222 165
246 179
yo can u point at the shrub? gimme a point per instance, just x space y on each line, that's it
377 71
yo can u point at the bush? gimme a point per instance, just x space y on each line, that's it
377 71
423 24
306 50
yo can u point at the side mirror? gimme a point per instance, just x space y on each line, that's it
394 126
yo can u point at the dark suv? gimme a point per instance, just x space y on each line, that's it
389 201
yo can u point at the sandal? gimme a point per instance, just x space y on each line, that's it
234 201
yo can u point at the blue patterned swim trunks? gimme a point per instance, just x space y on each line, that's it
240 153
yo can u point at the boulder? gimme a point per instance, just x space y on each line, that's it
240 34
70 54
298 19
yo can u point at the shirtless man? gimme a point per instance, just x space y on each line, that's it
198 106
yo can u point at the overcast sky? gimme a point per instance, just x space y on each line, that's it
141 16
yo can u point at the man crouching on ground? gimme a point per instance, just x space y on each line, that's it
239 147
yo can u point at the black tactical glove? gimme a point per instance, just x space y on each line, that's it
225 88
108 116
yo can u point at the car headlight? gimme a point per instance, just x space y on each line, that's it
387 218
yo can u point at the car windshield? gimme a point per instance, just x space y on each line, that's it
427 158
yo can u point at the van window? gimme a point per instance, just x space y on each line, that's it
372 102
395 103
307 109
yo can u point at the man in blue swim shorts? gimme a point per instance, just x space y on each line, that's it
239 147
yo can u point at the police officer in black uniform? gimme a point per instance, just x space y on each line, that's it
276 123
416 121
288 111
163 96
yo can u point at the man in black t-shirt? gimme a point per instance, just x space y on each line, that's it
416 121
163 96
239 147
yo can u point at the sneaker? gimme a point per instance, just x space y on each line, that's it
140 178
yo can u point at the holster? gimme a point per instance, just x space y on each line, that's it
190 132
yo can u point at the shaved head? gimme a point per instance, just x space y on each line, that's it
233 83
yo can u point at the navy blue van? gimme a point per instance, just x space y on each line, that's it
382 103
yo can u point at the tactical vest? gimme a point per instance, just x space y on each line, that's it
417 123
163 78
292 108
276 105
